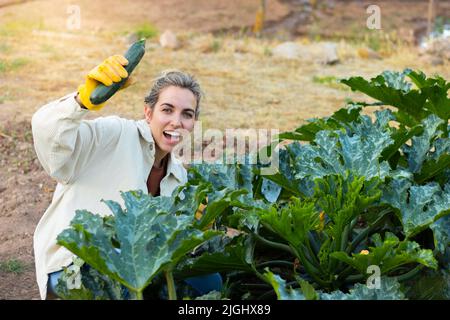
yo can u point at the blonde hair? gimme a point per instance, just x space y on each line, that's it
173 77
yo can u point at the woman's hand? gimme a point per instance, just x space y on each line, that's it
109 71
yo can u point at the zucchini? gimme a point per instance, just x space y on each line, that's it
134 54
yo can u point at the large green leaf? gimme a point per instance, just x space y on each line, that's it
337 121
270 190
435 89
223 186
429 154
286 179
279 286
413 104
429 285
400 137
218 201
421 145
148 237
223 255
293 222
357 147
81 282
388 255
441 229
389 290
337 153
342 199
232 176
417 206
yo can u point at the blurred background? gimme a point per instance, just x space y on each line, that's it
261 64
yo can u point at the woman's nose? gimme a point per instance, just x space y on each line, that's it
176 121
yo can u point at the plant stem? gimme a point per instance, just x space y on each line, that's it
313 242
344 240
311 257
276 263
139 295
311 269
257 285
275 245
354 278
170 285
267 294
410 274
367 231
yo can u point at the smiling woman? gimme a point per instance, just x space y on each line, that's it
172 107
96 159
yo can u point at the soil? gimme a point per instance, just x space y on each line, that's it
25 193
26 190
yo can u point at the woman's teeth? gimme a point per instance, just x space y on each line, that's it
172 135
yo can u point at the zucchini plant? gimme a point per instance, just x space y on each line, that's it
352 194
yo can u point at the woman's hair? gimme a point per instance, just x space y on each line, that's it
175 78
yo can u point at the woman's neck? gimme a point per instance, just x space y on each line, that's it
159 156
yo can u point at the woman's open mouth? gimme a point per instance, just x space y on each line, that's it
172 137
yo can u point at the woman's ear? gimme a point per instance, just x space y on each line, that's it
148 112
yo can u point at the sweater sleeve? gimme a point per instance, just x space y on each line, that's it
64 142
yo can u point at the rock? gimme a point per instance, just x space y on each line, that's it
437 48
168 40
432 60
367 53
324 53
437 61
287 50
329 54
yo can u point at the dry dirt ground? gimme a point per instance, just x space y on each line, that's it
42 59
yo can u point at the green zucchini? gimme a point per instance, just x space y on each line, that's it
134 54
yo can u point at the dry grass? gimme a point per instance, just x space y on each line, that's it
245 86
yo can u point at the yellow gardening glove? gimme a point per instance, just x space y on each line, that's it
109 71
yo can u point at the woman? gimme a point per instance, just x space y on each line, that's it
95 159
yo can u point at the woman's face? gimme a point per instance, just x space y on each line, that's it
173 114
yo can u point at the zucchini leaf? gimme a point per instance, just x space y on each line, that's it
292 222
81 282
344 199
224 256
388 254
147 234
338 120
389 290
419 206
413 105
430 285
279 286
421 145
337 152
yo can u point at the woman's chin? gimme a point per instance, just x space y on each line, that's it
168 145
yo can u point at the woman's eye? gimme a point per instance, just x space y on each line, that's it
188 115
166 110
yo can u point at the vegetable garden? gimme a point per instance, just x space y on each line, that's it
359 209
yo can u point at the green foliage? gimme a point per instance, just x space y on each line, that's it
329 81
418 206
146 30
13 65
351 192
388 254
389 290
13 266
413 105
148 234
